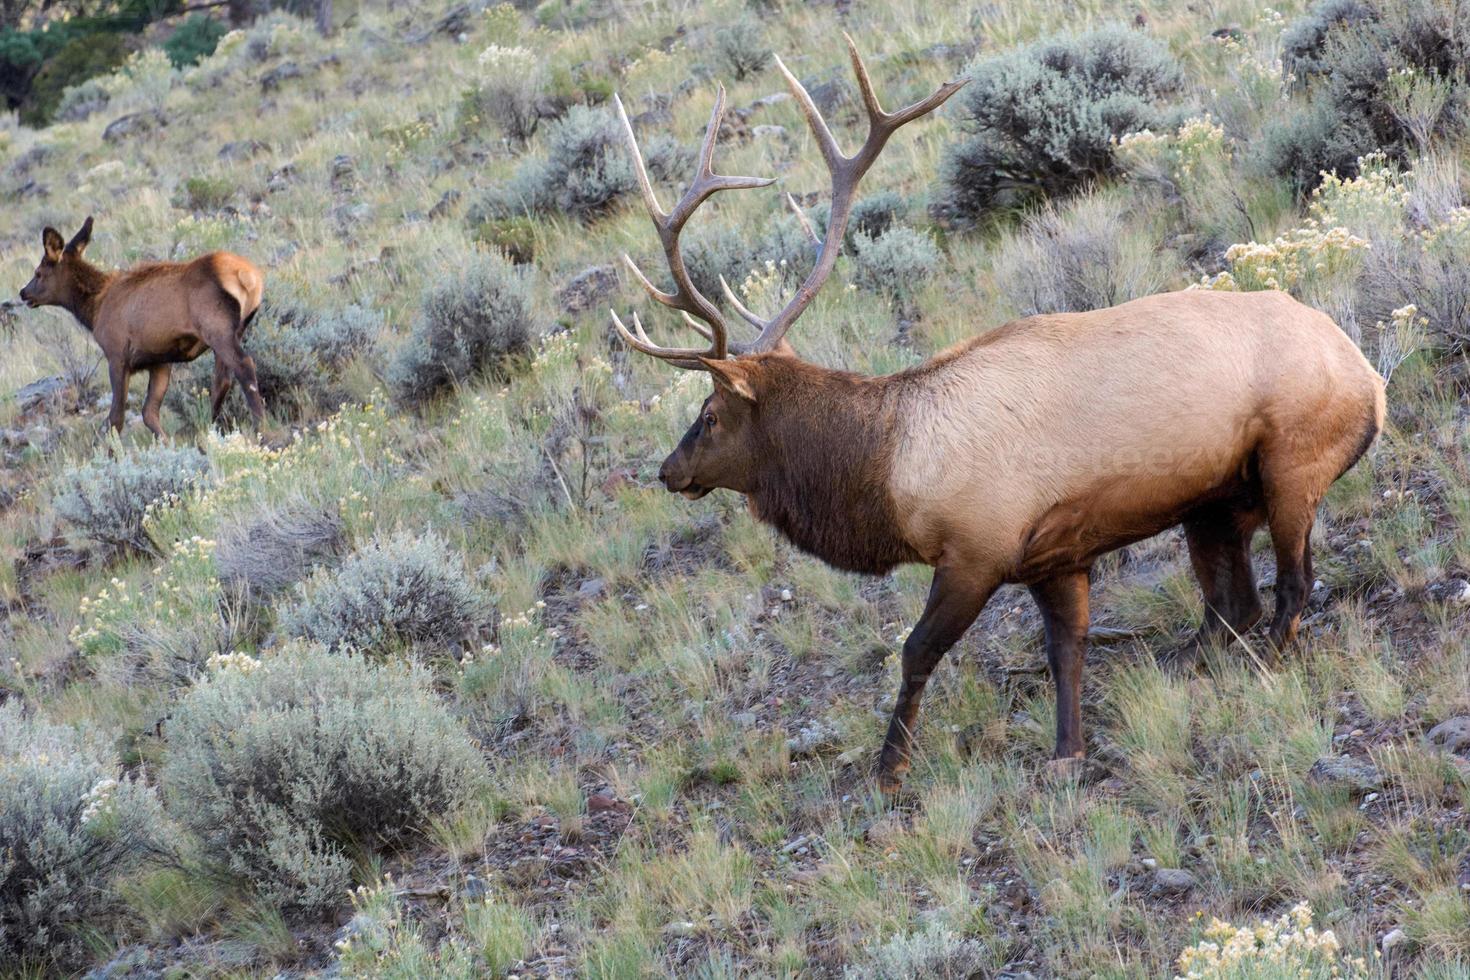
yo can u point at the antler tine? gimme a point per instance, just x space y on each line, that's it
741 308
801 218
645 186
846 172
637 338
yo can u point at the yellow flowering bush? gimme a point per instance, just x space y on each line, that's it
1287 946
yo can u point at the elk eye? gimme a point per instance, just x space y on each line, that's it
709 420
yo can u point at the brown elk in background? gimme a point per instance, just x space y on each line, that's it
156 315
1023 455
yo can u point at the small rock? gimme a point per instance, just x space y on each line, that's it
592 588
1343 770
679 930
794 846
768 132
884 830
474 889
745 719
1450 591
1172 881
1391 940
786 595
272 79
1452 736
852 756
243 149
1150 864
588 288
344 171
446 204
602 803
40 392
133 124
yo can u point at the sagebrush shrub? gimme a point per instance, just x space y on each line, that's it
508 89
895 264
1042 119
107 498
1379 75
740 48
398 589
1078 257
267 551
69 826
934 952
473 320
285 766
586 170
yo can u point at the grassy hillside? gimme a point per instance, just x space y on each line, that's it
440 681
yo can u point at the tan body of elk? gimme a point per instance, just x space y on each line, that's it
153 316
1025 454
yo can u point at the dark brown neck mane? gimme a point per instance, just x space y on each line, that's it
88 284
823 482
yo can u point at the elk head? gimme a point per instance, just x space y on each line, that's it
723 446
55 280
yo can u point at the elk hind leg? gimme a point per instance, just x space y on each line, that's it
158 376
1219 539
1063 602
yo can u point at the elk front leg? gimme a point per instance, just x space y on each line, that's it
955 599
117 375
158 376
1063 603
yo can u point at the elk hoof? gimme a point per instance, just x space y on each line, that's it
1064 770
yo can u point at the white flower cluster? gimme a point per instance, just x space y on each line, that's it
96 801
242 662
1282 946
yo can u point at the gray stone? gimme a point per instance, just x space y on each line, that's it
588 288
1452 736
592 588
243 149
133 124
745 719
272 79
1357 775
1172 881
1391 940
41 391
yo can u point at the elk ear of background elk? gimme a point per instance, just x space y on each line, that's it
1024 454
156 315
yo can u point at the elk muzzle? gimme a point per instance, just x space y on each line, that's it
675 476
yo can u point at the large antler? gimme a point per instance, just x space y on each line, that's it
846 172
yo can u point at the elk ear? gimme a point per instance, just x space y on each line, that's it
79 241
731 376
51 242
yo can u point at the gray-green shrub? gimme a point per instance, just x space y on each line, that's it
1379 75
895 264
398 589
69 826
473 320
741 49
1042 120
586 170
265 552
107 498
284 769
936 952
1080 256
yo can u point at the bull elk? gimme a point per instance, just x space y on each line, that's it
1024 454
156 315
